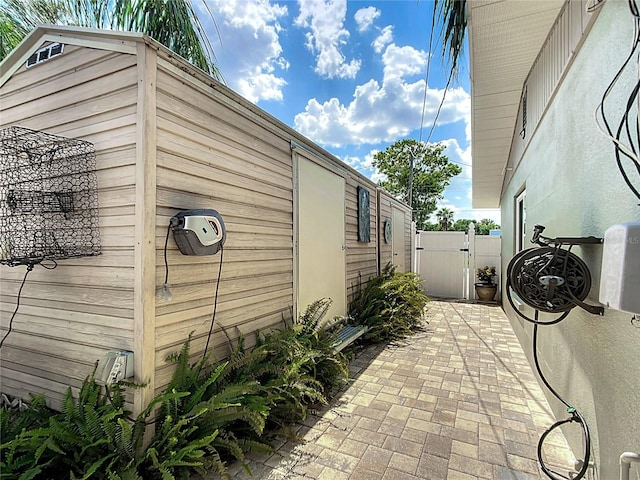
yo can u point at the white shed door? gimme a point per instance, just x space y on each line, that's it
321 237
397 239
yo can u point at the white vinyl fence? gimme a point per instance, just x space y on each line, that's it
447 261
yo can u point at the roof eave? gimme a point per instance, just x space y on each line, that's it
505 38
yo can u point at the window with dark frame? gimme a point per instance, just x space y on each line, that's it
521 221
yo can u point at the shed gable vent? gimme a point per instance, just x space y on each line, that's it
44 54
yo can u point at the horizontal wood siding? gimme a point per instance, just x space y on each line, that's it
362 258
71 315
385 250
211 156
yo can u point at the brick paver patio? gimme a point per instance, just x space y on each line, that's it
458 401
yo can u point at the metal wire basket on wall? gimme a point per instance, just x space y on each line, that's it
48 197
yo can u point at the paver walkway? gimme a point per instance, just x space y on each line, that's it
457 401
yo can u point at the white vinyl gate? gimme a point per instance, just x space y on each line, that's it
447 261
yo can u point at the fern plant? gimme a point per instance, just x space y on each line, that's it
391 304
89 438
295 366
204 421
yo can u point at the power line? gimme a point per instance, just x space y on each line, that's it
426 77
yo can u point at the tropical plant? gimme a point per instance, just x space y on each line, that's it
209 413
453 16
173 23
200 424
391 304
445 218
89 438
462 225
484 226
432 173
296 366
204 420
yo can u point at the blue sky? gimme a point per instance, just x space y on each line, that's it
348 75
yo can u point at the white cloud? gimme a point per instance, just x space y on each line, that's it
384 39
352 161
383 113
365 17
491 213
378 177
400 62
325 19
368 158
252 28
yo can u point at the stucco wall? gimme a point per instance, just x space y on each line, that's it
573 187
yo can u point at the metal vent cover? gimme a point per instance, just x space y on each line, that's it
46 53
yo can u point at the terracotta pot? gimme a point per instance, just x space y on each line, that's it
485 293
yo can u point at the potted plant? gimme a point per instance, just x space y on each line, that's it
486 288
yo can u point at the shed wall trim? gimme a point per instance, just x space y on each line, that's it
145 228
320 160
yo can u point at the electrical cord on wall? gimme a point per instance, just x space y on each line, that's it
24 279
165 293
215 303
629 151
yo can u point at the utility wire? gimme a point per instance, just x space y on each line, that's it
426 77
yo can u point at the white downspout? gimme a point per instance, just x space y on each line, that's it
625 463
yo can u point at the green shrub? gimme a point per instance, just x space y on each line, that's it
88 437
200 423
209 413
391 305
296 366
204 420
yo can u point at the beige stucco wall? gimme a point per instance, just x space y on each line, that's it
573 187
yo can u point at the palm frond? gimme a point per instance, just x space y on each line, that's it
176 23
453 15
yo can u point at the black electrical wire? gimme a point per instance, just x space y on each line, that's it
625 118
575 417
24 279
215 303
166 264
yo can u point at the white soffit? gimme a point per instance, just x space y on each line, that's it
505 37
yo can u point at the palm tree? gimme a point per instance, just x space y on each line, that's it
453 14
174 23
445 218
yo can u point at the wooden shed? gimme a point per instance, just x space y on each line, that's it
168 138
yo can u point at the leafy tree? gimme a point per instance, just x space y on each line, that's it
430 227
173 23
484 226
432 173
462 225
445 218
